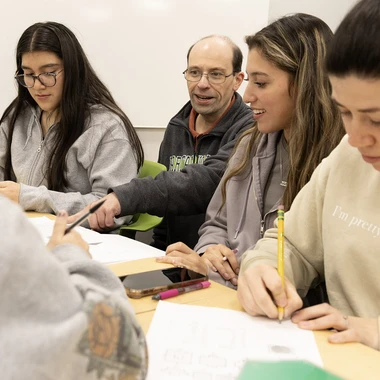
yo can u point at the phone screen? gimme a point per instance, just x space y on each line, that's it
147 283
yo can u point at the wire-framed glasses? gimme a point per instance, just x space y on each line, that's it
214 77
46 79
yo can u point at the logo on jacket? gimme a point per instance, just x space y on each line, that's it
177 163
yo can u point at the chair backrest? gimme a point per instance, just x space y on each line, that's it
144 222
151 169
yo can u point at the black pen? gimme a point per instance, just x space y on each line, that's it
85 216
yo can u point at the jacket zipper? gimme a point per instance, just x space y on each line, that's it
39 149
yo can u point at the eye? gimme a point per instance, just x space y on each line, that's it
260 84
375 123
194 72
216 74
345 113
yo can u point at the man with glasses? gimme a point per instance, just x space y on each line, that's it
197 144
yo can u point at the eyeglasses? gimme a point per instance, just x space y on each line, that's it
214 77
46 79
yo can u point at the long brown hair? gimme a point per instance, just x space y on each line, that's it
296 44
82 89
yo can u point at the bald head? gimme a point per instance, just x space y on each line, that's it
223 44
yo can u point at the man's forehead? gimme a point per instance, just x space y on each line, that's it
211 51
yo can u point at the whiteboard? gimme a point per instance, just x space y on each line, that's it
137 47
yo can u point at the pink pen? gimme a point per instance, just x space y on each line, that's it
175 292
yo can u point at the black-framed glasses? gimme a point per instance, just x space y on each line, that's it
214 77
46 79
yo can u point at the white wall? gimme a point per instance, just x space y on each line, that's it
330 11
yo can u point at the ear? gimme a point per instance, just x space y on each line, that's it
238 80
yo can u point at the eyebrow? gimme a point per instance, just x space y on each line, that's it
211 69
258 73
48 65
363 110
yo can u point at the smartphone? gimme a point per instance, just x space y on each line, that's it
148 283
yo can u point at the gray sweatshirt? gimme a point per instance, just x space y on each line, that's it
62 315
100 158
242 221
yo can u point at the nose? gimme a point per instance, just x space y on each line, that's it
203 82
249 94
38 84
359 135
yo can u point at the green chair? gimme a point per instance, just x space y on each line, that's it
143 222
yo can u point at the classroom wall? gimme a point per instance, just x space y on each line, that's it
332 12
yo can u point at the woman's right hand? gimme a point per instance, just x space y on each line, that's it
260 291
223 260
59 237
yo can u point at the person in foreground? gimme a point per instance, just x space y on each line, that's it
297 125
332 228
197 144
63 140
62 315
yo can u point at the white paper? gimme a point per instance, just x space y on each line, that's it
197 342
45 226
117 248
105 248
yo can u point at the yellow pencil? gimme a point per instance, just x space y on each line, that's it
280 254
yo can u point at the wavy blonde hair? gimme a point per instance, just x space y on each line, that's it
296 44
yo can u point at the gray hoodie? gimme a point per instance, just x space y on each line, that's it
100 158
62 315
242 222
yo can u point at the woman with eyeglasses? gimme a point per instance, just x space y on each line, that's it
297 125
63 139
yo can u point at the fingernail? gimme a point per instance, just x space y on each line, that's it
303 325
214 269
159 258
333 338
237 270
226 276
61 213
234 281
235 251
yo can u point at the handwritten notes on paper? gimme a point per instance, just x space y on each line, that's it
196 342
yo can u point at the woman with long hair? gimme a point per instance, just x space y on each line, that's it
63 139
332 228
297 125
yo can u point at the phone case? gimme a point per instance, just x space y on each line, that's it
134 292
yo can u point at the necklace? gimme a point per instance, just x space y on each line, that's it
282 183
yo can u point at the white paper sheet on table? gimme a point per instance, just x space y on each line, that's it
197 342
45 228
105 248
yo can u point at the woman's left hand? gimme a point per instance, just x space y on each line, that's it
180 255
349 329
10 190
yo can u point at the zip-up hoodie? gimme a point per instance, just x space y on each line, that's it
100 158
182 196
241 221
62 315
332 233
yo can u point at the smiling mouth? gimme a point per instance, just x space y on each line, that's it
258 112
203 97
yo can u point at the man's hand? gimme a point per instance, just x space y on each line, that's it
103 218
59 237
180 255
223 260
11 190
260 291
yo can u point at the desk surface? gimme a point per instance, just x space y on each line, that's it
350 361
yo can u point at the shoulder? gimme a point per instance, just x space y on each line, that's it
103 121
